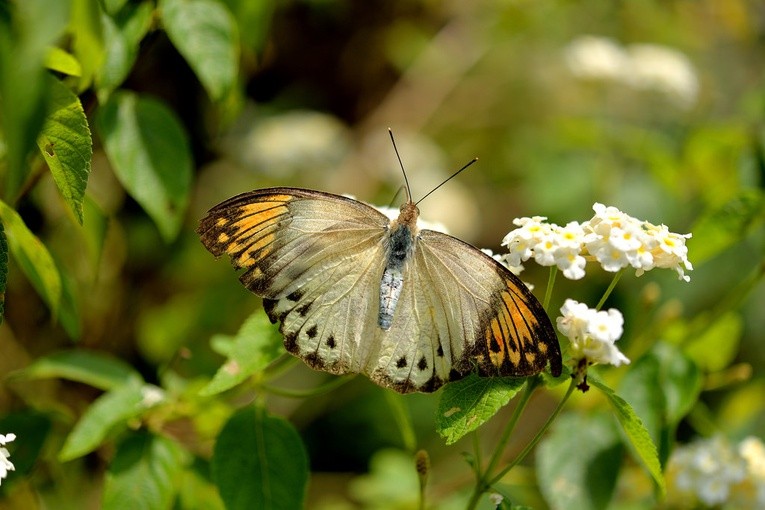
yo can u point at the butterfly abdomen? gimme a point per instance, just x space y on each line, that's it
399 249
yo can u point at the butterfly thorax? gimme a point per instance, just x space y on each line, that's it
400 245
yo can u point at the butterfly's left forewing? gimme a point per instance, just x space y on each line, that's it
314 257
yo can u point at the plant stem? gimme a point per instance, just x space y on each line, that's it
550 285
401 415
330 385
480 483
610 289
540 433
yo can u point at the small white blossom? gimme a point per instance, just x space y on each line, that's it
151 395
639 66
611 237
5 464
548 243
592 333
716 473
496 499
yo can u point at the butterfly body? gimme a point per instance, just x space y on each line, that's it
355 292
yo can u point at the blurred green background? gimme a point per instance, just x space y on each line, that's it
655 107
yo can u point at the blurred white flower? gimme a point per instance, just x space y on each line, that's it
716 473
611 237
5 464
151 395
640 66
592 333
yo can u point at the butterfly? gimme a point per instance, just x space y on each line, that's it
356 292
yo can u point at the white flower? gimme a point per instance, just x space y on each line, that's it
548 243
717 474
5 464
151 395
592 333
639 66
496 499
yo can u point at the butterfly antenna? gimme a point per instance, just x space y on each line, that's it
455 174
406 180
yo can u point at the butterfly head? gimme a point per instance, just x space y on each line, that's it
408 214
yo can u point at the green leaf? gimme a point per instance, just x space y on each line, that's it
96 369
468 403
205 33
260 462
144 473
148 148
66 145
718 344
108 411
62 61
256 16
122 37
578 463
33 258
636 432
722 227
256 344
87 38
392 478
25 38
3 270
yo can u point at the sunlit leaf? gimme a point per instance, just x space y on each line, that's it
578 463
149 150
25 38
392 478
66 145
144 473
108 411
468 403
94 368
267 452
256 344
33 258
62 61
205 33
256 17
636 433
87 38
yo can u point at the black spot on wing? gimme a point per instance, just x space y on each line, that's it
312 331
331 342
304 309
269 306
422 364
295 296
401 363
440 350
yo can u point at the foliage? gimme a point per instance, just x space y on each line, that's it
136 372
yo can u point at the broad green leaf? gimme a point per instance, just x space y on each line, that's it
25 37
148 148
3 270
260 462
197 492
717 345
87 38
66 145
721 228
108 411
578 463
468 403
680 379
256 17
122 37
392 478
62 61
642 388
205 33
94 368
256 344
636 432
144 473
113 6
33 258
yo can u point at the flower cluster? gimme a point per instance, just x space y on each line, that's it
640 66
611 237
592 333
5 464
716 473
